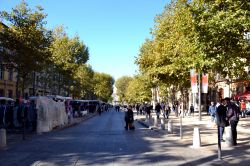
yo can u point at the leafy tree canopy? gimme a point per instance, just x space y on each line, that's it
121 85
172 51
25 39
138 90
202 34
68 53
103 86
220 26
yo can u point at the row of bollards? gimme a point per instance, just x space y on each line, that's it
154 121
196 132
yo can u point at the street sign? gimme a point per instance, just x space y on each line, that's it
193 79
247 35
204 79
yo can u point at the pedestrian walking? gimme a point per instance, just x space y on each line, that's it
233 113
148 108
175 109
243 108
191 110
137 107
129 119
247 108
158 110
221 116
167 111
212 112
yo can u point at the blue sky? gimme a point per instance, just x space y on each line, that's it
113 30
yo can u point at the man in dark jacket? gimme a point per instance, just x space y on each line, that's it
158 110
221 116
233 113
129 118
148 109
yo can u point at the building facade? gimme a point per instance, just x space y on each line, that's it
7 81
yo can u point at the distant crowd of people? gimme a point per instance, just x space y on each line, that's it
146 109
162 108
223 113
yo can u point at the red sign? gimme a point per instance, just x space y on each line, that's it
204 83
193 78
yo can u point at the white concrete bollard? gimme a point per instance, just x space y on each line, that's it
151 120
155 121
196 138
146 119
170 127
165 126
2 138
162 124
229 136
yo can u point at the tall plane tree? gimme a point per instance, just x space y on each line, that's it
25 40
69 56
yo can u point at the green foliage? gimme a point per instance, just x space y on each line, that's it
25 39
172 51
220 26
138 90
69 56
68 53
59 59
82 82
121 85
203 34
103 86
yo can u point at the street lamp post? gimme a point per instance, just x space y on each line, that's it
196 87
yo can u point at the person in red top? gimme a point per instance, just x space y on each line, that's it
243 108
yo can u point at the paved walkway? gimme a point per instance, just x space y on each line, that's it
239 154
17 136
181 148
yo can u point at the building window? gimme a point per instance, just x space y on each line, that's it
1 92
10 74
1 72
10 93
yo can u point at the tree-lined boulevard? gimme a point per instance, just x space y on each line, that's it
102 140
55 87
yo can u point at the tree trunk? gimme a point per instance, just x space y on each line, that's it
17 84
59 84
34 83
24 77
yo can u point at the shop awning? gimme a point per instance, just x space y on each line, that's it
244 96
